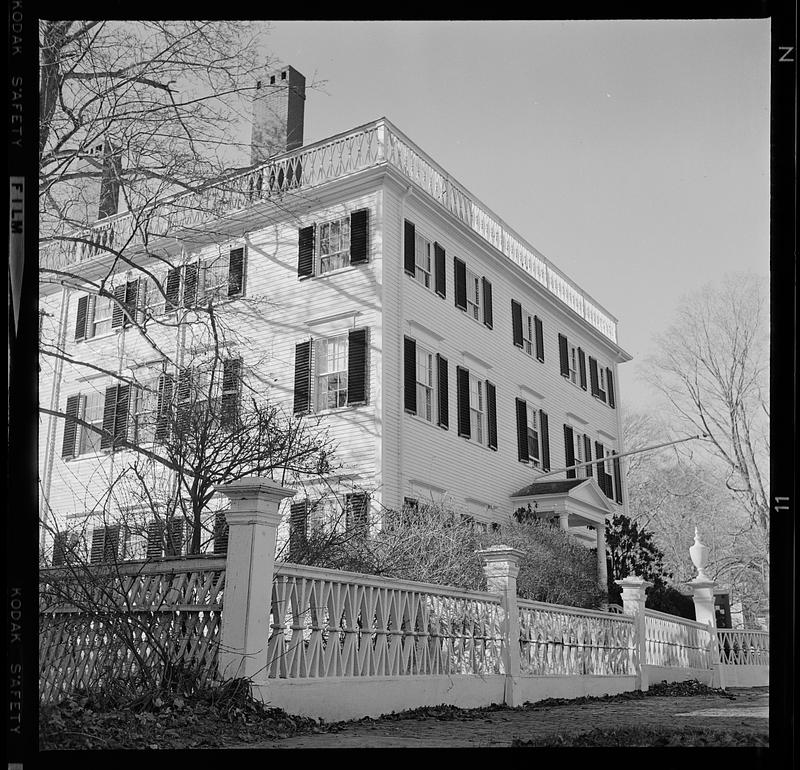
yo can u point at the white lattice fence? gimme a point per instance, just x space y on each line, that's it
743 648
557 640
339 624
673 641
114 623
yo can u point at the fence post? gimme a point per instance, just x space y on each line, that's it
253 526
501 567
634 594
703 595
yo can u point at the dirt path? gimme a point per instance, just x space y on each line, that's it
748 713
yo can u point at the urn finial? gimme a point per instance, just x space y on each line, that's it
699 554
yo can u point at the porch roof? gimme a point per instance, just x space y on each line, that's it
581 499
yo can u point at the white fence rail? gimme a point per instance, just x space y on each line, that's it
676 642
558 640
743 648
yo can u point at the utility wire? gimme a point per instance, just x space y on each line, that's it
616 456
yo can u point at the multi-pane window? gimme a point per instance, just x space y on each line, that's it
579 442
573 364
215 277
425 384
331 356
528 339
103 310
334 245
144 412
422 264
93 414
473 295
534 455
601 373
477 410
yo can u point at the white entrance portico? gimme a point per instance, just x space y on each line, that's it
578 504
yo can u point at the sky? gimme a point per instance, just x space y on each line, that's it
632 154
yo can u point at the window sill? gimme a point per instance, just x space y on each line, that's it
104 335
428 289
432 423
338 271
335 410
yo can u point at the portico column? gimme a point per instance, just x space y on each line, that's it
563 521
602 569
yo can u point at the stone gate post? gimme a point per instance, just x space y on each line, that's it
253 526
634 594
501 567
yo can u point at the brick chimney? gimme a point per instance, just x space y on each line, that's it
278 110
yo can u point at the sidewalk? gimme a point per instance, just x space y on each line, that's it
747 714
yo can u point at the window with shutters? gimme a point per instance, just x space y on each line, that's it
103 309
215 277
93 405
473 295
573 363
331 379
134 543
423 256
477 409
144 411
426 393
333 245
528 338
534 436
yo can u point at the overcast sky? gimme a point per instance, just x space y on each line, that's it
633 154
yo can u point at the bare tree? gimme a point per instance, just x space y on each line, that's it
712 368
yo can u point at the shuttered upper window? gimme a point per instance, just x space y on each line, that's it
424 260
93 406
329 246
477 408
331 372
473 293
527 330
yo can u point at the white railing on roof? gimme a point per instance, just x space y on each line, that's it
317 164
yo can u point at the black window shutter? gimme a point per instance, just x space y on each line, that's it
302 377
359 228
82 317
462 398
231 391
440 270
409 248
305 252
610 380
236 272
410 375
522 430
191 277
587 450
539 332
563 355
98 542
569 451
172 289
117 312
164 410
443 392
298 522
185 398
491 409
174 536
356 508
59 548
109 417
111 544
516 322
582 367
601 471
617 480
131 301
487 302
460 280
357 366
155 540
545 437
593 378
220 533
121 413
70 426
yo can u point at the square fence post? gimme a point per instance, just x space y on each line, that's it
634 593
501 567
247 600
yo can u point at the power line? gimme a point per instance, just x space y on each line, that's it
624 454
